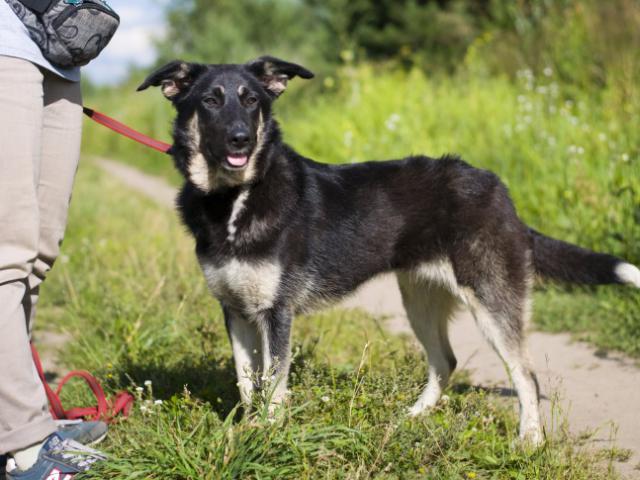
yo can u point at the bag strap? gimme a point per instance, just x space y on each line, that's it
105 410
38 6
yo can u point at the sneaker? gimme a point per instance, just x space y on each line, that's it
86 433
59 459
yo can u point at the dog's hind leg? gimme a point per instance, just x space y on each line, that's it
429 308
505 332
245 343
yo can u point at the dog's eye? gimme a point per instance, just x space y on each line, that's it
250 101
211 102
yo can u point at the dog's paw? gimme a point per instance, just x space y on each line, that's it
414 411
426 406
532 437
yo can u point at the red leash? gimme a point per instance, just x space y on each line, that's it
122 402
129 132
105 410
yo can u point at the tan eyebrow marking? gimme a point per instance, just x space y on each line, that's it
219 89
241 89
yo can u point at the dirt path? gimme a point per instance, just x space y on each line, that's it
600 395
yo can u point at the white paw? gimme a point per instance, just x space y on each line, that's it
425 404
420 408
532 436
414 411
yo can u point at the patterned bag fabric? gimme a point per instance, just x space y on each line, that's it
70 33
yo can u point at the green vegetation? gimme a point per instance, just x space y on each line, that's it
589 42
137 306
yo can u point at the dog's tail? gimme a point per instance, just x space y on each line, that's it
565 262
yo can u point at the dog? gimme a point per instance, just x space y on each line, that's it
278 234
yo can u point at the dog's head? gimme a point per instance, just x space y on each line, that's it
224 116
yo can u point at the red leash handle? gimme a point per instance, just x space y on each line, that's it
129 132
105 410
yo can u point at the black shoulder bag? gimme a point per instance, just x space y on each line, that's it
70 33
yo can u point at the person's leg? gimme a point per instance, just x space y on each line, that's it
24 414
61 135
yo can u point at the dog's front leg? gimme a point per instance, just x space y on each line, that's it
245 343
275 328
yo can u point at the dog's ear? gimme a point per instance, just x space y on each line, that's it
274 73
174 78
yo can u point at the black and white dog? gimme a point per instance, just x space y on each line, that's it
277 233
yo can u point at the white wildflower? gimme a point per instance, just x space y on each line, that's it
158 402
625 157
324 398
548 71
348 138
147 383
392 121
139 389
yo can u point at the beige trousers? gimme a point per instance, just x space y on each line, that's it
40 131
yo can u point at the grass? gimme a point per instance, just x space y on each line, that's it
570 158
127 288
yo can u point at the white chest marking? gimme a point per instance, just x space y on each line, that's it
238 206
252 285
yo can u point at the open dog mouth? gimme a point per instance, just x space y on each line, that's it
236 161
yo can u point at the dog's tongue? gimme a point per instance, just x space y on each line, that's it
237 161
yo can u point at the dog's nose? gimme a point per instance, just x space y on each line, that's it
239 139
